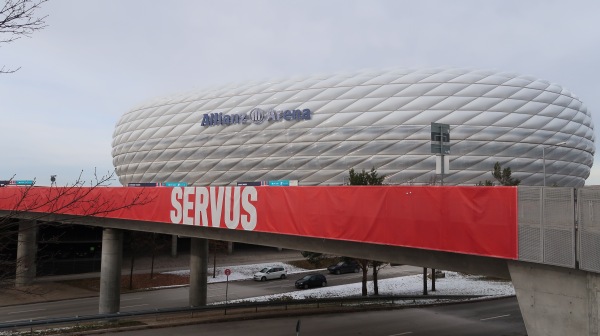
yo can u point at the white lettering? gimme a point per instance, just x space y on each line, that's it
216 208
187 206
176 214
200 213
249 221
232 220
233 205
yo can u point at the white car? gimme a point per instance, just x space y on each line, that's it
269 273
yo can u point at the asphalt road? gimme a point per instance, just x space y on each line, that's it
489 318
495 317
178 297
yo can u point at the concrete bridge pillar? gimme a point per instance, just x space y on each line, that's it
198 272
110 268
555 300
26 251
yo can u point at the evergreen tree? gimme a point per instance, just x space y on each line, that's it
503 176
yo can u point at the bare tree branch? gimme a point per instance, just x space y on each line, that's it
18 19
79 196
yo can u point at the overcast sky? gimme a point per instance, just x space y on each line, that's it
99 58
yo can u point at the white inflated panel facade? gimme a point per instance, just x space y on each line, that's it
379 119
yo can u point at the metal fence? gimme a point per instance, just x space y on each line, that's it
560 226
588 214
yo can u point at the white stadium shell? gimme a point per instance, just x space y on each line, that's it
314 129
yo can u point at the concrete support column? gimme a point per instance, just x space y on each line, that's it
198 272
556 300
110 276
26 251
229 248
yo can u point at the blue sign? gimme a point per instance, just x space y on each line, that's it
175 184
283 183
24 182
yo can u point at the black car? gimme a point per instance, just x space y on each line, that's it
311 280
344 267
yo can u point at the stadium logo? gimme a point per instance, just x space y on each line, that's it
255 116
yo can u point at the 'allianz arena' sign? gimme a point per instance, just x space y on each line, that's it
255 116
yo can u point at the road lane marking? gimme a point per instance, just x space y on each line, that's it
26 311
144 304
495 317
404 333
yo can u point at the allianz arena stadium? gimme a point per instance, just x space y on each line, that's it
314 129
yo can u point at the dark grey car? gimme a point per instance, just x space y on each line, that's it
311 280
344 267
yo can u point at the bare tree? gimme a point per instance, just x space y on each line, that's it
30 204
364 266
376 266
18 19
367 178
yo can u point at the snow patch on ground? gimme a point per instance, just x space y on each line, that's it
453 284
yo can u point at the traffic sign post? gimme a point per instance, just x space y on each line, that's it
440 138
227 273
440 149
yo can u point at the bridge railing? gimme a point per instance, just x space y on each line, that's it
560 226
588 215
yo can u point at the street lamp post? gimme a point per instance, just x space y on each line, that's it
544 157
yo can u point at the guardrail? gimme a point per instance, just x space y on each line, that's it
284 304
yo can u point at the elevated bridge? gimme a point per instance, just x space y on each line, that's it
546 240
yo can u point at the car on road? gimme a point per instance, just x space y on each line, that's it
269 273
311 280
344 267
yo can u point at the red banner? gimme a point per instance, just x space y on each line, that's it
470 220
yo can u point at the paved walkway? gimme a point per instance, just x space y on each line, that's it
51 288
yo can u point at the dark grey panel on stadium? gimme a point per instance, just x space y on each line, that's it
359 120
